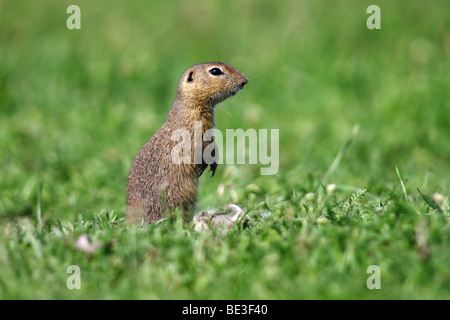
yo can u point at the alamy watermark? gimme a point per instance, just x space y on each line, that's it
257 147
74 20
74 280
374 20
374 281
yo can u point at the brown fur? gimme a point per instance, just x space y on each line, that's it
156 185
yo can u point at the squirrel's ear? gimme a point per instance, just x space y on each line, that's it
190 78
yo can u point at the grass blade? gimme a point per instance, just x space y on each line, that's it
430 201
402 184
38 209
340 154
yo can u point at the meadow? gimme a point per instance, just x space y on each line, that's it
364 153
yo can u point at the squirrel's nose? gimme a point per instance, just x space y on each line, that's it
244 82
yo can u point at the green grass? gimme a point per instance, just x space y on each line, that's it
77 105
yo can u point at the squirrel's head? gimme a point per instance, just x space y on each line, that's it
210 83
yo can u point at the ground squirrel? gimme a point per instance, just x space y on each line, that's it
156 184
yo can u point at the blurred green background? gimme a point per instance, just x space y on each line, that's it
77 105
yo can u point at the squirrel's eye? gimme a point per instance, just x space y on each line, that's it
215 71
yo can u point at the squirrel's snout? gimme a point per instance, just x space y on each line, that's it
244 82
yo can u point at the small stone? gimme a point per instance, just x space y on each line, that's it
322 220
